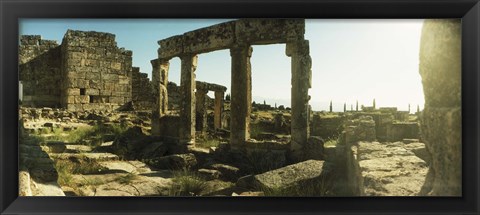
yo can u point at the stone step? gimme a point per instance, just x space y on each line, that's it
122 184
134 167
85 156
77 148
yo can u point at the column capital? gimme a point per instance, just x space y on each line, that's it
241 49
159 61
299 47
188 57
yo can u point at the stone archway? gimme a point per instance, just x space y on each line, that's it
238 36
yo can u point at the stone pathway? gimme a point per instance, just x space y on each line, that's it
117 177
390 169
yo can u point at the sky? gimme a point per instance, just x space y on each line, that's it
352 59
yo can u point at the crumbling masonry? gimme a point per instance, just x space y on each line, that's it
238 36
86 72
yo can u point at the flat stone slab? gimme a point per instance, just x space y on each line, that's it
291 175
140 186
117 185
175 161
134 167
46 189
105 144
78 148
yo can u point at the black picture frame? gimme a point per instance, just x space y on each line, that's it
11 11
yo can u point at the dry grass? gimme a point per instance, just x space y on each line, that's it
187 183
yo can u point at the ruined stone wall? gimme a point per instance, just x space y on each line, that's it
403 130
361 129
327 126
174 96
96 73
441 120
142 91
39 69
175 99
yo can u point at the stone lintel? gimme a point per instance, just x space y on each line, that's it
226 35
171 47
269 31
215 37
210 86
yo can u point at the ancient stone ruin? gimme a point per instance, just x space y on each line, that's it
238 36
91 124
86 72
440 68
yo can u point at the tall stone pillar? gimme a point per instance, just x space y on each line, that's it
164 66
301 82
156 94
201 109
241 95
159 84
441 119
187 107
218 109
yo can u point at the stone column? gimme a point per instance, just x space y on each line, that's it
187 107
159 82
218 109
201 109
241 98
441 119
164 67
301 82
156 94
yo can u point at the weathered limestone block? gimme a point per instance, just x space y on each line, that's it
96 69
209 39
268 31
419 150
314 148
171 47
228 172
441 131
142 90
82 99
361 129
440 62
241 97
295 175
174 162
328 126
441 121
24 184
386 169
403 130
39 71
